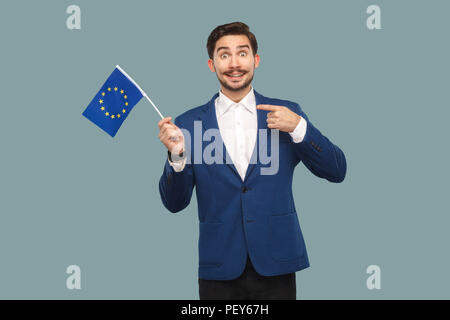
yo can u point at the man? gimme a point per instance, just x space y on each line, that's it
250 242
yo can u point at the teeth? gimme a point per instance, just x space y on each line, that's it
236 75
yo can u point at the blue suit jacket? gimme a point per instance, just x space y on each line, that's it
256 216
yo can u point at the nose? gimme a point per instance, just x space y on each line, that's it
234 62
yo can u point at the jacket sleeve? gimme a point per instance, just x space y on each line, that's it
323 158
176 188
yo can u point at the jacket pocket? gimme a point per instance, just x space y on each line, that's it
210 244
286 237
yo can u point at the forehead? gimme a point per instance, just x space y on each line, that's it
232 42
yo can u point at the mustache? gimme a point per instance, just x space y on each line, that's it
235 70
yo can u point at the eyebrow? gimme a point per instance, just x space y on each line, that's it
228 48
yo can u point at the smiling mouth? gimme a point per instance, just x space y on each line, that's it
235 75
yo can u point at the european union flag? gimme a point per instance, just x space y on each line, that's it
115 100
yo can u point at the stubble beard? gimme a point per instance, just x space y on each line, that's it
236 89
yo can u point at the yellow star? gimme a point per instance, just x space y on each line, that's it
126 103
109 89
115 89
123 110
112 117
101 101
102 108
121 91
103 94
125 97
107 113
118 115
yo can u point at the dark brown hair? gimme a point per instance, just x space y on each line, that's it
234 28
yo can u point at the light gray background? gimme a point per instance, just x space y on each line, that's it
70 194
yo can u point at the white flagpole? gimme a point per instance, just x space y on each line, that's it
142 91
154 106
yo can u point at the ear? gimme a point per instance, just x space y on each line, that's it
211 65
256 60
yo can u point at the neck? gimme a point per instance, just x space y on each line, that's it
236 96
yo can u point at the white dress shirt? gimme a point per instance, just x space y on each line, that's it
238 126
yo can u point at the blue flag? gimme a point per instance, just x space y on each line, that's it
113 102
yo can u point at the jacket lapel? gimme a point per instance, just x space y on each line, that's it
262 124
209 121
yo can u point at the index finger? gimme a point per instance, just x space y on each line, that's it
268 107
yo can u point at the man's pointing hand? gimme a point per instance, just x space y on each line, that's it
279 117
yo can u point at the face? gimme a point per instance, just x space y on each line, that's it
234 62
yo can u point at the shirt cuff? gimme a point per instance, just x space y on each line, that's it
178 165
299 132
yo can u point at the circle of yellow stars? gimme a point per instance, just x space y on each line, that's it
103 107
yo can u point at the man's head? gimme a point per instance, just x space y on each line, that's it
232 51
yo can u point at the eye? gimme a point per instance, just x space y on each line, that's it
243 54
225 55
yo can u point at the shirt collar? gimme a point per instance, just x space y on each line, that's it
224 103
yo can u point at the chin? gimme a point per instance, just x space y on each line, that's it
244 84
238 87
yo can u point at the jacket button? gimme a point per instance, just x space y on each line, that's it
244 189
